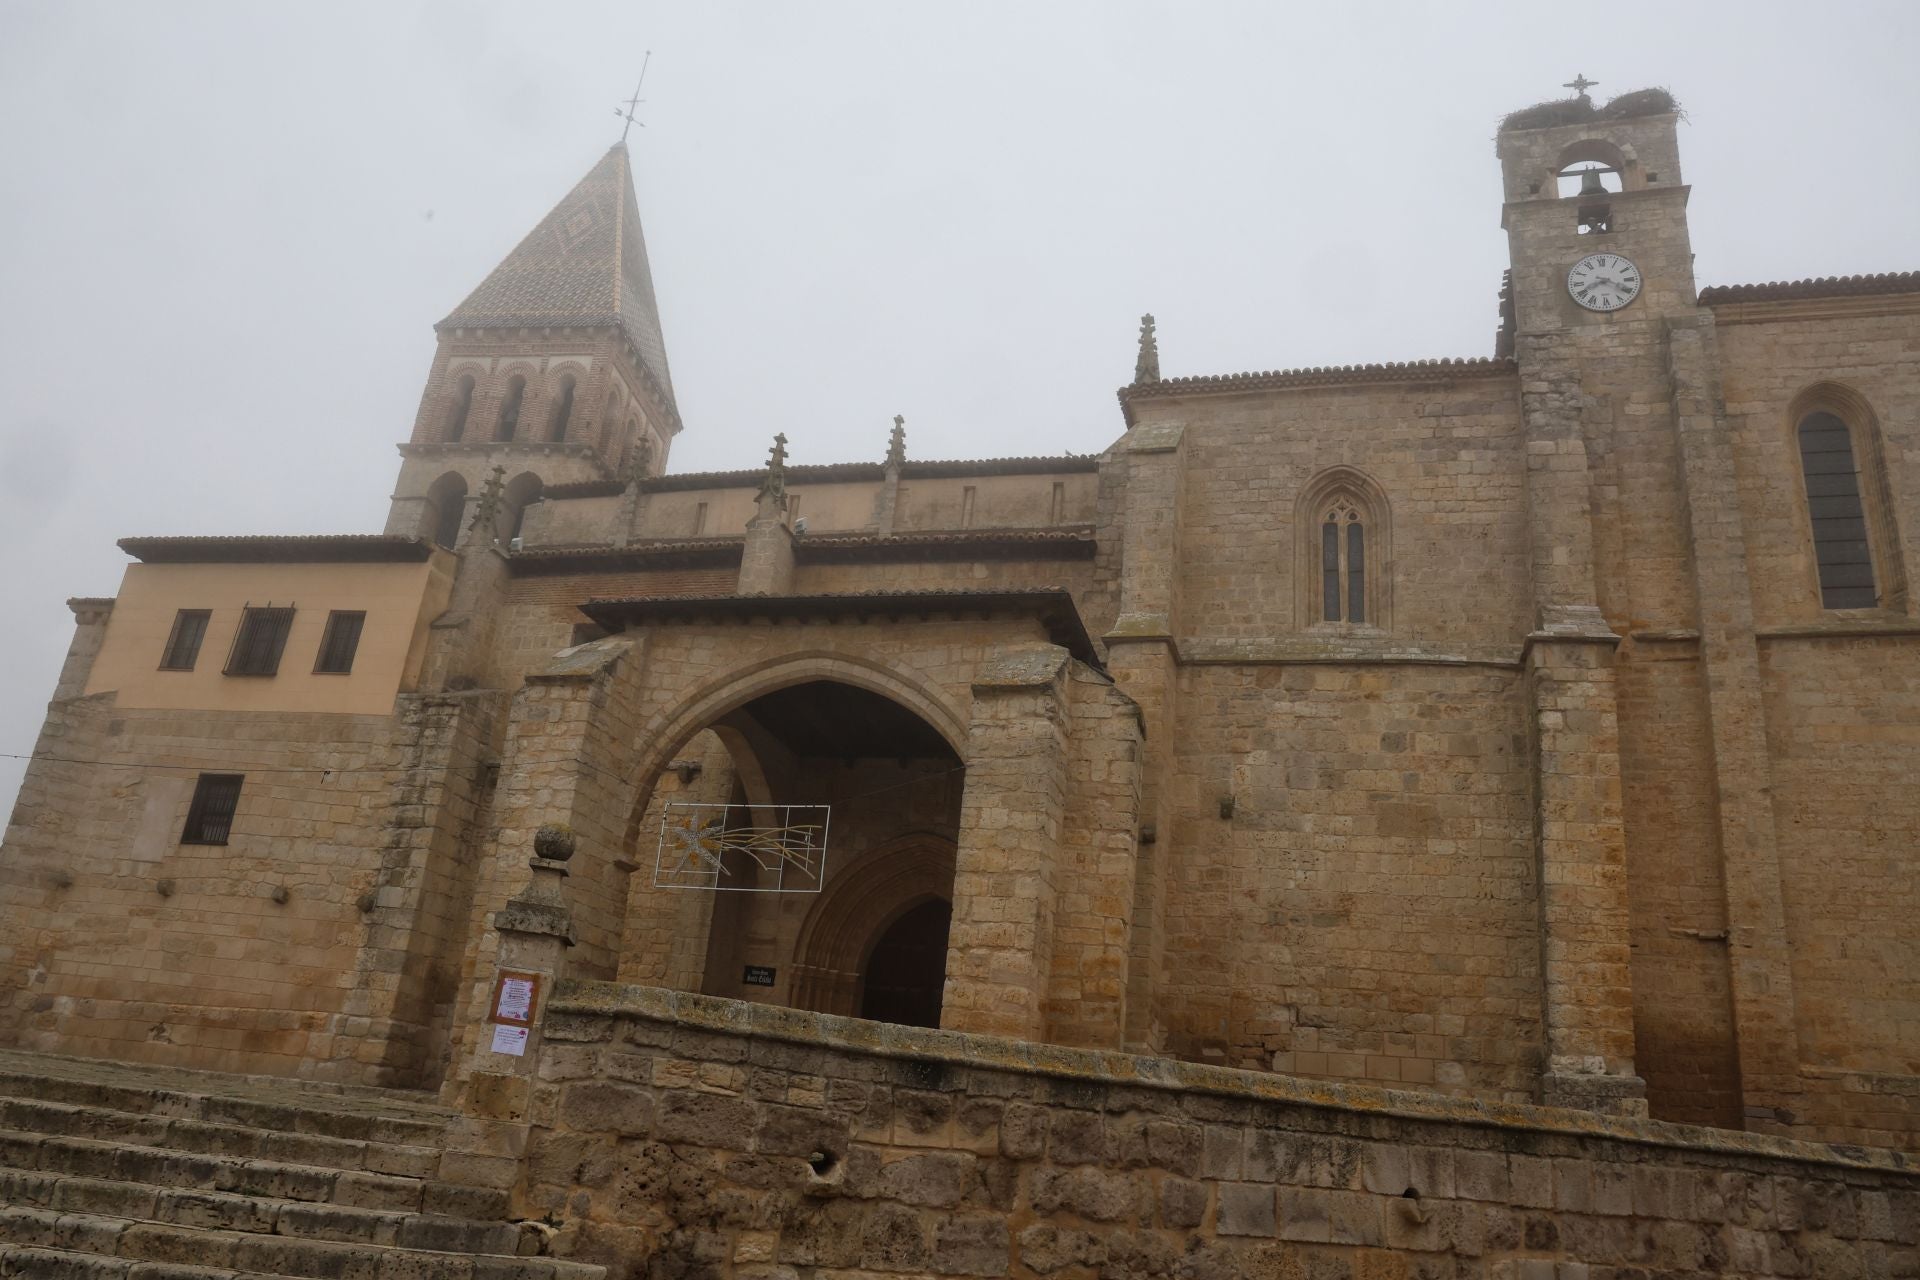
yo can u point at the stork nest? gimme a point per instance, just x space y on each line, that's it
1548 115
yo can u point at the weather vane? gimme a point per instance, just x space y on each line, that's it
1579 84
634 101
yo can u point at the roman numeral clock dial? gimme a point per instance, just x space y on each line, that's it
1603 282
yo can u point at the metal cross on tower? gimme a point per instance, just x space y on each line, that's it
1580 84
634 101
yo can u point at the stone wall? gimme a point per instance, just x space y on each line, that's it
118 941
1367 909
689 1136
1448 456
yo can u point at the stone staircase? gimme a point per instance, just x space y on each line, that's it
116 1172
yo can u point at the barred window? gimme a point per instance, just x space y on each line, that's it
210 817
183 645
1840 543
262 637
339 643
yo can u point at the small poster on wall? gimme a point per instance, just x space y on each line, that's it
516 999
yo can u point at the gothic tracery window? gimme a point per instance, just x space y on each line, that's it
1343 564
1343 540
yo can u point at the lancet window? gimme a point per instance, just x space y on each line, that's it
1343 563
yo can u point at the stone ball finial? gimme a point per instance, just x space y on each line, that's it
553 841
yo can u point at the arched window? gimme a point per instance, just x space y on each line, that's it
462 406
510 408
1342 563
562 412
1855 538
1842 547
521 493
446 505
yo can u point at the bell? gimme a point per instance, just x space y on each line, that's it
1590 183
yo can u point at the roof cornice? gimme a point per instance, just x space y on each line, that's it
1886 282
1320 376
329 548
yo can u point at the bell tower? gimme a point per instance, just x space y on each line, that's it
1585 182
554 370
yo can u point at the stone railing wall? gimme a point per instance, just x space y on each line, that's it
683 1135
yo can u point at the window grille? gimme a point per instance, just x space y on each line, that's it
183 644
340 642
258 645
1840 543
210 817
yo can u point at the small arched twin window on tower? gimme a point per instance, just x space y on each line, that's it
1849 509
1343 531
462 407
510 409
562 412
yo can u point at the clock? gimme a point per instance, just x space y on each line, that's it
1603 282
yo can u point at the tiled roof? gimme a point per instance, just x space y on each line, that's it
1053 606
856 472
1321 376
584 265
1824 287
584 489
1072 542
602 556
1069 542
319 548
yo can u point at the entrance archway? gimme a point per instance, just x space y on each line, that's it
833 955
893 786
905 973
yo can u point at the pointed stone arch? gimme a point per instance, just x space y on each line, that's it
698 710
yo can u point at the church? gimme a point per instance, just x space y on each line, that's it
1527 729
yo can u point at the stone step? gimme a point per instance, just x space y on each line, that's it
71 1120
113 1237
238 1175
226 1211
291 1111
60 1264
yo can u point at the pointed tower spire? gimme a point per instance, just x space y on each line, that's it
584 266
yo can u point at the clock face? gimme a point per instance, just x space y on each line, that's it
1603 282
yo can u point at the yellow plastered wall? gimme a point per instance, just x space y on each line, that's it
400 600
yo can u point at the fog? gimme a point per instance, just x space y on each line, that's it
228 228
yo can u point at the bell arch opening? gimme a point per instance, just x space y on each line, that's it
755 922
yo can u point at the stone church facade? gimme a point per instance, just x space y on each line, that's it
1535 728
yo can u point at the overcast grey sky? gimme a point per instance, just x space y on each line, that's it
228 228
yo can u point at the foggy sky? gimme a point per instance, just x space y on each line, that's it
228 228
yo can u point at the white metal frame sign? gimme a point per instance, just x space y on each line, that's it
742 848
